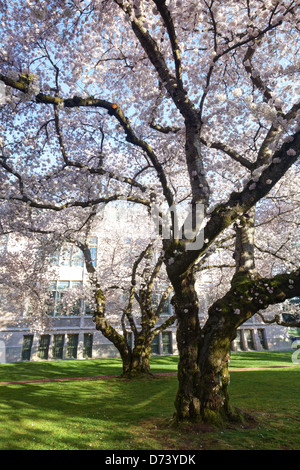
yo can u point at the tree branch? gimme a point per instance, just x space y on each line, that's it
247 296
230 152
277 319
240 203
167 19
155 56
91 202
113 110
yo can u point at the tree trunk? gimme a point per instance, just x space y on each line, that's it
188 334
244 244
204 353
203 375
214 355
139 359
135 361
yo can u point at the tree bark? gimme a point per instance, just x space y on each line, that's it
214 356
244 244
205 352
203 376
138 357
136 360
186 306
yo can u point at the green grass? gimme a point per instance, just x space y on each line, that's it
98 367
261 359
85 368
115 414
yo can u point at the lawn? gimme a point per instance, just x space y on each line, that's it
114 414
99 367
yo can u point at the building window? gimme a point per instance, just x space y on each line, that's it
54 258
87 345
56 306
58 346
249 339
77 257
155 345
66 256
72 345
130 339
167 342
92 244
262 338
71 255
57 294
43 348
87 308
156 298
239 341
27 345
77 307
166 307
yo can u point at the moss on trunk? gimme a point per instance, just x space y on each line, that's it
203 375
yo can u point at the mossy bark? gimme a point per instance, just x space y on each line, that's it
137 362
204 353
203 381
188 335
213 359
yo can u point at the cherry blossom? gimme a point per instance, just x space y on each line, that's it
168 103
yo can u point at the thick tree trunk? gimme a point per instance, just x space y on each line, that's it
203 376
214 355
204 352
188 334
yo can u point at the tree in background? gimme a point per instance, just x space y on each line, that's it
134 291
163 103
126 287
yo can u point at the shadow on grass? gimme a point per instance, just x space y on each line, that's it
77 368
59 369
81 415
99 367
116 414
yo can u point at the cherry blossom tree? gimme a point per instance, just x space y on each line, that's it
126 290
163 102
133 296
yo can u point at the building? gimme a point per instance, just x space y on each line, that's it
69 334
72 334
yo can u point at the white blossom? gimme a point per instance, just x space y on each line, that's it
237 92
221 97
